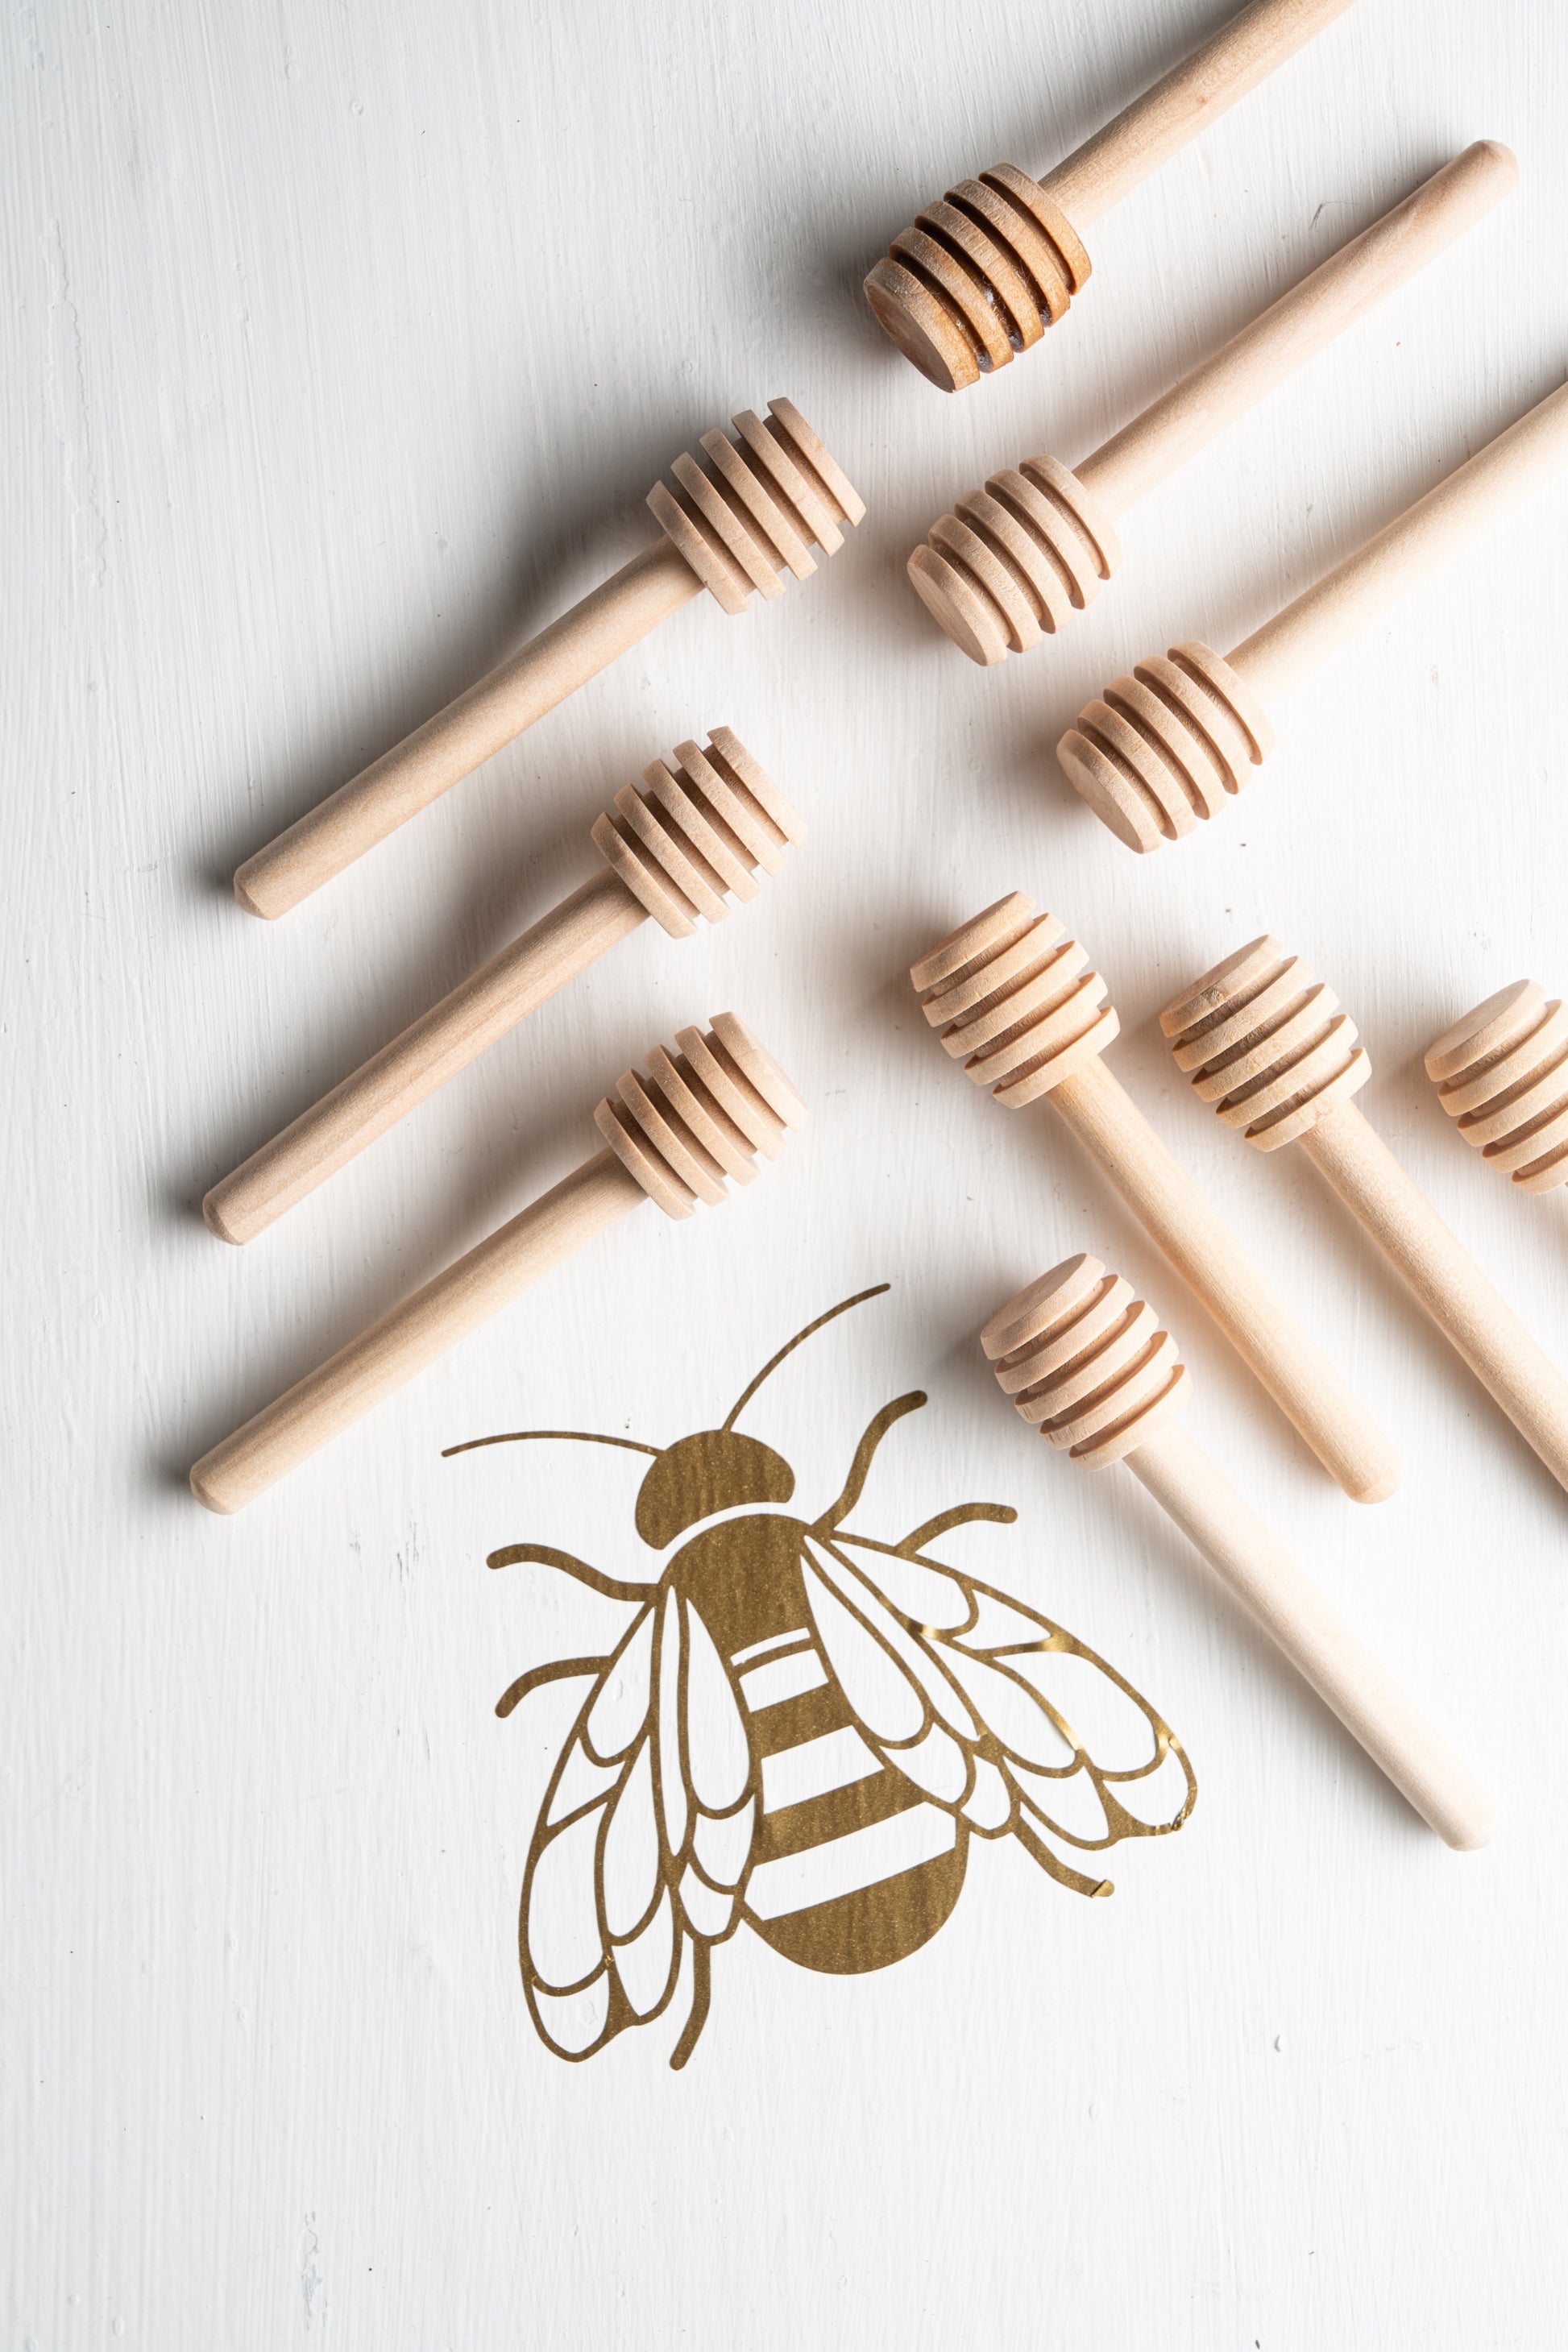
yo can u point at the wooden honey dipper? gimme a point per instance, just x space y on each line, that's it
982 275
1014 1003
1086 1362
1502 1073
745 520
1265 1042
699 1117
682 850
1012 562
1165 748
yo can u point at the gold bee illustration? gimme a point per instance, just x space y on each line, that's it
801 1729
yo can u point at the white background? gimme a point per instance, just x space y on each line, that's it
341 346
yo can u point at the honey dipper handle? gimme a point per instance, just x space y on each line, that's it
453 1034
448 746
1312 1635
1214 1266
1191 96
425 1327
1412 544
1286 335
1445 1280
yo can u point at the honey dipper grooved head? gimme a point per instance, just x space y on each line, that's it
700 832
1160 751
979 276
1012 562
1264 1042
1501 1075
1086 1360
750 516
1014 1002
700 1115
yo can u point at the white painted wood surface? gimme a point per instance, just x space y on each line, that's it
343 346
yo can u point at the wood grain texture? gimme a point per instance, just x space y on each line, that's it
334 372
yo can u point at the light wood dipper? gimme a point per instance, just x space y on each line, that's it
981 276
680 851
1501 1075
1012 562
1014 1002
1163 749
1265 1042
700 1116
1085 1361
746 520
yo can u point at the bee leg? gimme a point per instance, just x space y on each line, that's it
545 1556
1074 1880
559 1670
697 2018
961 1514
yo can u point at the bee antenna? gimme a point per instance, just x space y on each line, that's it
576 1436
877 1428
773 1362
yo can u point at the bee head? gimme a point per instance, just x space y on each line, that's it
716 1470
713 1471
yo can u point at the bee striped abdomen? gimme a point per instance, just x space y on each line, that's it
852 1867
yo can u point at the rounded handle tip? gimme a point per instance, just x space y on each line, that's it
1467 1828
214 1218
1500 160
244 896
207 1496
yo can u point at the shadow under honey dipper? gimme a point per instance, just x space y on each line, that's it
1012 562
744 522
1086 1362
678 1133
568 534
1161 752
980 276
699 836
1015 1004
1267 1046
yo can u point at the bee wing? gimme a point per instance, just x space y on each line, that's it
598 1935
1052 1742
705 1774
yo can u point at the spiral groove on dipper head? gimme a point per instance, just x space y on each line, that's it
1501 1075
1014 1001
1265 1042
751 514
700 1115
696 839
1160 751
1014 562
979 276
1085 1361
